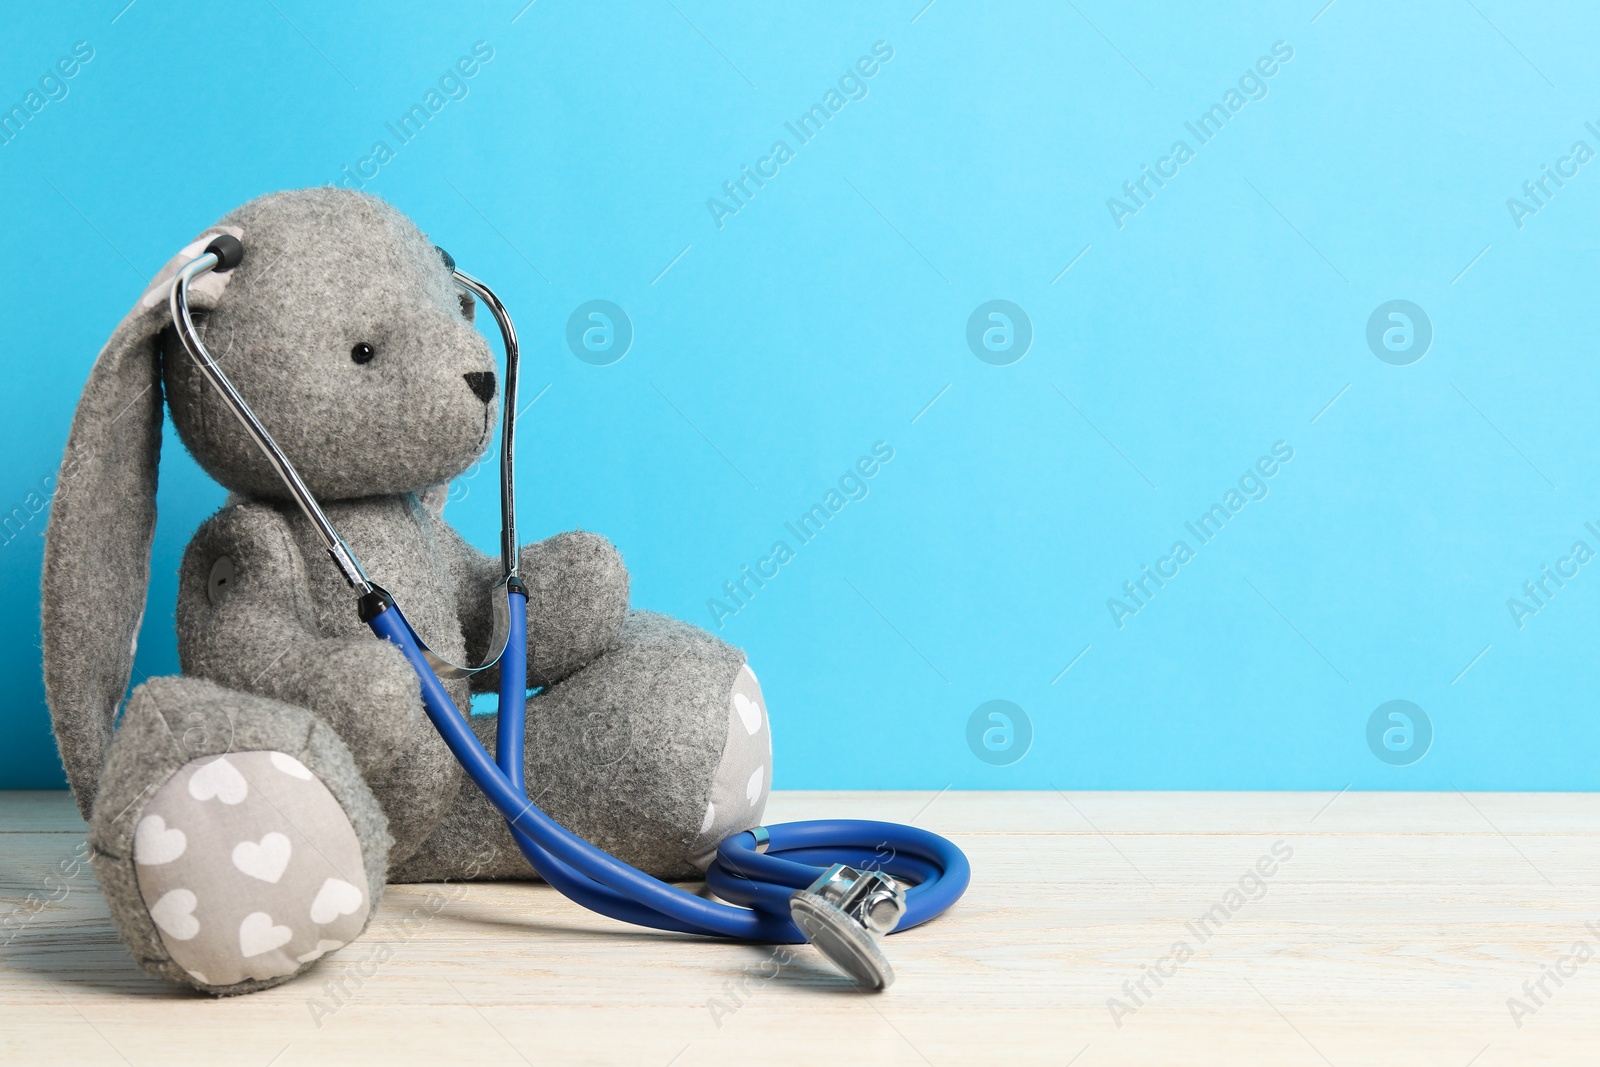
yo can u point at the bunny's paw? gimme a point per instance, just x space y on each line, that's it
233 837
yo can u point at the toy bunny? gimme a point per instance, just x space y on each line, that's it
245 815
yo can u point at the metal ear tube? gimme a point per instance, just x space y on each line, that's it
838 884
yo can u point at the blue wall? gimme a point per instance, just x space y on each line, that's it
1177 334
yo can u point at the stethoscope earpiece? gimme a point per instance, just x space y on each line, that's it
229 251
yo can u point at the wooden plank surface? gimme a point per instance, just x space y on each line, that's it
1392 929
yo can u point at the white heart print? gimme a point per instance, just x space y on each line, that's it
174 913
749 713
219 779
265 859
291 766
336 897
752 788
257 934
154 843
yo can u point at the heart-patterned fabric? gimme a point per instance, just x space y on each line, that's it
740 784
249 867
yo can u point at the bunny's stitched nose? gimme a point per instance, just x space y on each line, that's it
482 384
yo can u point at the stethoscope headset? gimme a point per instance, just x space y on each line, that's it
838 884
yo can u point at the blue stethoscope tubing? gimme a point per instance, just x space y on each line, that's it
762 882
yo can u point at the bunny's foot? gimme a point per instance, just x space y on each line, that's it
655 751
737 794
233 836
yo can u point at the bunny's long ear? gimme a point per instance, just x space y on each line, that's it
102 520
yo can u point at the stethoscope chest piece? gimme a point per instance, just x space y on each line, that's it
842 911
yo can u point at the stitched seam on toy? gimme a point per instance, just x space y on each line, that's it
299 587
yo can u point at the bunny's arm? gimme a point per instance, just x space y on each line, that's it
245 621
577 598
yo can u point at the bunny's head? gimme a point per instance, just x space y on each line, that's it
344 333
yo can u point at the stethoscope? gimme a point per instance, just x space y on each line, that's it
837 883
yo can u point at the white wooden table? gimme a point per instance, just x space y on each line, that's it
1394 933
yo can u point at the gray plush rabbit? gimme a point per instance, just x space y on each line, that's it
245 816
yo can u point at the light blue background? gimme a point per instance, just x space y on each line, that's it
826 314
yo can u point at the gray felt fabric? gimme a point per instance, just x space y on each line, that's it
174 725
627 741
103 510
324 270
97 542
577 599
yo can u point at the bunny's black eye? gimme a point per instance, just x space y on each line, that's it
362 352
